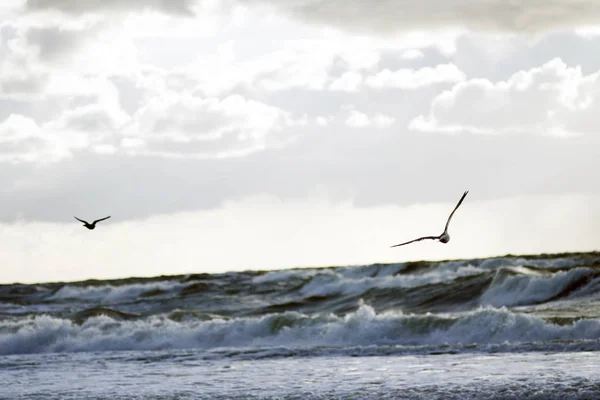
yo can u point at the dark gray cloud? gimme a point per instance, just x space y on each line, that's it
389 16
23 85
383 16
175 7
28 55
52 42
374 169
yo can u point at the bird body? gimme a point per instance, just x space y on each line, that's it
444 237
93 224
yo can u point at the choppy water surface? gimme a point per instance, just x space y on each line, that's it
495 328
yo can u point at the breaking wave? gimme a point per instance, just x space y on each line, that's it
506 301
364 327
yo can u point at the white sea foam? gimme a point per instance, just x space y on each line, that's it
361 328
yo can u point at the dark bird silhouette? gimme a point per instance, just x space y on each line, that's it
93 224
444 237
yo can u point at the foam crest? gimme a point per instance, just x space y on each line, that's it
284 275
352 272
109 293
336 283
512 290
500 262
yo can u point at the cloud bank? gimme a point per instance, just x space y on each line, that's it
175 7
383 17
394 16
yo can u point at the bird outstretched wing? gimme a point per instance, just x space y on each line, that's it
452 213
416 240
101 219
80 220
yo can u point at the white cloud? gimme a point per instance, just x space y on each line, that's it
382 120
320 61
357 119
553 99
209 127
588 32
407 78
87 127
412 54
168 124
323 121
93 124
22 140
90 82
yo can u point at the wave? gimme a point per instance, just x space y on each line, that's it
364 327
110 293
561 286
510 286
509 289
339 283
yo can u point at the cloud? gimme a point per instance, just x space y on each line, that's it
357 119
389 17
93 127
407 78
323 121
553 99
52 41
38 62
175 7
22 140
412 54
349 82
20 73
172 126
209 127
336 62
394 16
404 78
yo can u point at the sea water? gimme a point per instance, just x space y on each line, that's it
498 328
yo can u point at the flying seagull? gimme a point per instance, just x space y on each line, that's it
93 224
444 237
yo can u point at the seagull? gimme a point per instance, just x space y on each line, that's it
444 237
93 224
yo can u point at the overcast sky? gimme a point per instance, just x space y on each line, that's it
260 134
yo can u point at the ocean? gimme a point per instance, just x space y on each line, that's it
507 327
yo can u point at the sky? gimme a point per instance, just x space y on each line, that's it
260 134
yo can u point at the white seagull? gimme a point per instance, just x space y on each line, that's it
93 224
444 237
